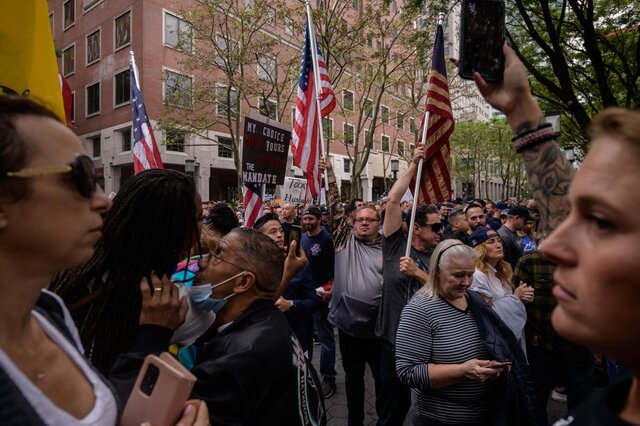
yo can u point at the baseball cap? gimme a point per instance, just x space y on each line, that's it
313 210
481 235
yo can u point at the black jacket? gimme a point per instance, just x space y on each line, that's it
251 373
514 397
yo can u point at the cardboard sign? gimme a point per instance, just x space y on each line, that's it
293 191
265 149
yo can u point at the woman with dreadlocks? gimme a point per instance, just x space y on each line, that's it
155 220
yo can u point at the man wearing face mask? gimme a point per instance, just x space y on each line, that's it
250 367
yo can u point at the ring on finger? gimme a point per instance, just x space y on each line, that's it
157 289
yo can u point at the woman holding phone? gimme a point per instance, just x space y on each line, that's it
463 364
44 376
594 233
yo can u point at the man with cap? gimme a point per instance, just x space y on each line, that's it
318 246
516 220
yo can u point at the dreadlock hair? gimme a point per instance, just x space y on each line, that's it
150 228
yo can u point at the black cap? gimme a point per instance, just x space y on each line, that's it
519 211
313 210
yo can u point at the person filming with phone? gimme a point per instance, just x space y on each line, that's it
593 235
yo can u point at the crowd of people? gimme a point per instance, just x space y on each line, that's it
471 317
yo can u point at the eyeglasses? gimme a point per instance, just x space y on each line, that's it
81 170
366 219
435 227
217 254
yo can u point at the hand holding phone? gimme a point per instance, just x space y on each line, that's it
482 34
160 392
295 234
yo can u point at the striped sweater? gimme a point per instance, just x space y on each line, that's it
434 331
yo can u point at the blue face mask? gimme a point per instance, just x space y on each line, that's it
200 295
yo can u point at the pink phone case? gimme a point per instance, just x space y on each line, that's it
165 404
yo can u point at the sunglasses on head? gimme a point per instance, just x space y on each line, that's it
81 171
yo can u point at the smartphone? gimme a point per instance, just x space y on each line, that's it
482 34
295 234
161 390
501 364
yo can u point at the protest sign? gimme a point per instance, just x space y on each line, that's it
293 191
265 150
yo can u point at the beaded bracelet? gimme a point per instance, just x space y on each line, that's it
532 137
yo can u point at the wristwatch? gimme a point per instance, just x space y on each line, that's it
291 304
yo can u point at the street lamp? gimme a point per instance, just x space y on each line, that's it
190 166
395 167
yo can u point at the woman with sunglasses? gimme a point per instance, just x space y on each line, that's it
44 378
492 279
594 236
462 363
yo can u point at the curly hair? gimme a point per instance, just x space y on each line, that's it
503 268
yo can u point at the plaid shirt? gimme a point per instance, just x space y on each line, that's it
537 271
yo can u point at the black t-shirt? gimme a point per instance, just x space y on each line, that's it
601 408
397 288
511 245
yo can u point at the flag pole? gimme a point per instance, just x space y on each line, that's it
135 69
416 194
318 84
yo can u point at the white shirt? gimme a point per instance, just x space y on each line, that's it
104 411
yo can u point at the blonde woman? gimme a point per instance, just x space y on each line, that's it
451 349
492 279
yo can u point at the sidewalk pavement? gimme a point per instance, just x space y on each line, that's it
336 405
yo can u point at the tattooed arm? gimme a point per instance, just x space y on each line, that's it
548 171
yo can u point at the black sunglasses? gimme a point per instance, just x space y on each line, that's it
435 227
81 171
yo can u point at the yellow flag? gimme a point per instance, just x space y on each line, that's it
27 54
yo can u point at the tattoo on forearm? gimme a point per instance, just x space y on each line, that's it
549 174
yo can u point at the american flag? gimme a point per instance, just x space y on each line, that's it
252 203
145 150
435 186
305 139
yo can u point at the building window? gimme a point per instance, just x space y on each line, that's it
174 140
412 124
412 148
226 53
368 139
271 15
320 4
72 118
93 47
399 121
93 99
385 143
355 4
123 30
52 24
349 133
268 108
69 60
69 10
267 68
327 128
384 113
223 102
347 165
225 149
125 138
177 33
368 108
288 26
94 143
401 148
347 100
122 86
177 89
